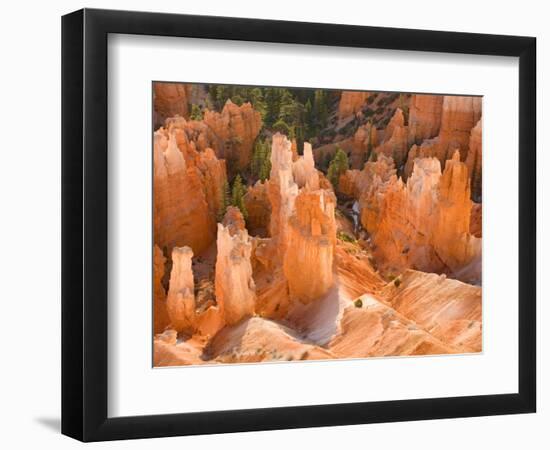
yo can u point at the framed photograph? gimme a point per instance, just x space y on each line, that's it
273 224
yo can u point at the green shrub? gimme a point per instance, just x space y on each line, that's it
343 236
358 303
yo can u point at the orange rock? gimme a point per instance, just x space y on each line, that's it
459 115
170 99
476 220
351 102
395 142
425 223
180 302
257 339
233 220
311 240
375 329
282 191
447 309
182 215
304 171
160 315
424 117
364 141
474 162
234 285
235 129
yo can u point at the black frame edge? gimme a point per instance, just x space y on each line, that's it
72 322
84 241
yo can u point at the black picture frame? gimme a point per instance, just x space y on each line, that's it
84 224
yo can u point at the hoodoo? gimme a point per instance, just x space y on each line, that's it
235 288
180 302
311 241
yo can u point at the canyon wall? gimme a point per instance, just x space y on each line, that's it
235 129
181 211
170 100
424 117
423 223
351 102
395 142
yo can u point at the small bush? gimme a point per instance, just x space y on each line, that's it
397 282
358 303
343 236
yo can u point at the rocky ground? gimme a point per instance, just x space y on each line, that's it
388 263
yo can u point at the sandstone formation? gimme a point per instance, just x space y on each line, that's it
425 223
375 329
169 100
351 103
458 116
364 141
311 240
256 340
282 190
182 215
395 142
235 288
160 315
303 169
476 220
235 130
180 302
424 117
448 309
473 161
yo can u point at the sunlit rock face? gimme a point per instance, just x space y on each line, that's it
258 206
425 223
180 302
312 236
282 190
182 215
351 102
160 314
364 184
303 169
233 220
395 143
170 99
448 309
424 117
235 288
235 130
474 162
458 116
364 141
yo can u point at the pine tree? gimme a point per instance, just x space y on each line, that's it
225 200
337 167
196 113
237 198
309 125
320 109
